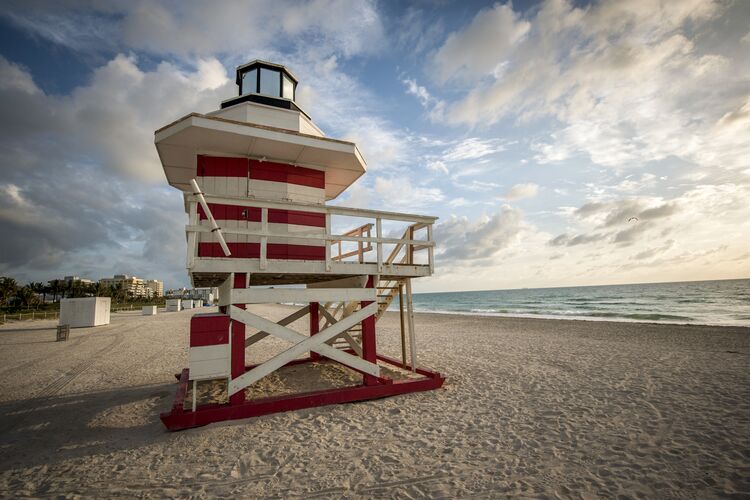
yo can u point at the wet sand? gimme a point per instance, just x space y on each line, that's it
531 407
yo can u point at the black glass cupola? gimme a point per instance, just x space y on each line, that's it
265 83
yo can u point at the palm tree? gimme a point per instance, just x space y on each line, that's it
56 287
26 296
8 288
38 288
99 290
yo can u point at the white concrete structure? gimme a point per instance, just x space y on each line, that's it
187 304
173 305
148 311
198 303
86 311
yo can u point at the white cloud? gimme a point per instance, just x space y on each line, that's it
520 191
629 82
472 148
420 92
483 46
437 166
399 193
15 78
462 239
191 29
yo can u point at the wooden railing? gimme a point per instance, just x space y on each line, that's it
360 235
364 231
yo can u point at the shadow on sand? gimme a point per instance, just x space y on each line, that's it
54 429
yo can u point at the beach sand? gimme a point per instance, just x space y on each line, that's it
530 407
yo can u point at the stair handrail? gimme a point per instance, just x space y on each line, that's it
361 248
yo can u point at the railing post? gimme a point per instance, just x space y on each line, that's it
430 250
410 247
379 235
264 238
328 241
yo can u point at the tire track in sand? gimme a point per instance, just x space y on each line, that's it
12 418
58 385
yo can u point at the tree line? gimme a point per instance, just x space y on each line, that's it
15 296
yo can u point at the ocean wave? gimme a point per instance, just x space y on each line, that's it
644 316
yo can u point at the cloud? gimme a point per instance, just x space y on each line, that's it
418 91
111 120
437 166
198 29
461 239
399 193
14 78
606 75
483 46
520 191
571 241
84 188
472 148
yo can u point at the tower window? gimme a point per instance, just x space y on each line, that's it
288 88
270 82
250 82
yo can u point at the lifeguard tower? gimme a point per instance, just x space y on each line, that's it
256 175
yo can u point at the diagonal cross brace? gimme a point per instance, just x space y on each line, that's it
283 322
303 344
346 335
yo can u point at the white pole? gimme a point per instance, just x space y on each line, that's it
379 234
264 238
412 336
214 226
328 242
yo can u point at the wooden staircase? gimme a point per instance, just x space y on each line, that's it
387 290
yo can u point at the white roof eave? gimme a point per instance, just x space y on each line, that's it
179 143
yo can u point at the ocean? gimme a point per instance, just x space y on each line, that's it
724 302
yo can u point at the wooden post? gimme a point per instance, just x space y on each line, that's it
430 250
237 339
379 235
369 347
410 249
412 336
328 242
401 311
314 325
264 239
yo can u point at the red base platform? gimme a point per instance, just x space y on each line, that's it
179 418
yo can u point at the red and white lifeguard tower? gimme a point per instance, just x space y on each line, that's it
256 175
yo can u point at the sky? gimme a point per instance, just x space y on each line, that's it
536 131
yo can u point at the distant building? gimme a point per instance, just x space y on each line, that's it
76 279
135 287
208 295
156 287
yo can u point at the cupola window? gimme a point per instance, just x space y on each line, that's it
270 82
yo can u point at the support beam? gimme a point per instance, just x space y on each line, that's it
300 295
237 340
369 348
401 317
315 343
412 335
314 325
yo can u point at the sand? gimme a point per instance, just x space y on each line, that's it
530 407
